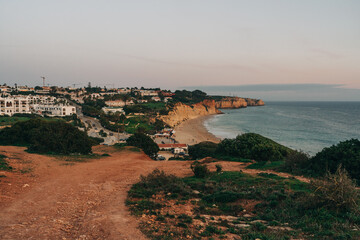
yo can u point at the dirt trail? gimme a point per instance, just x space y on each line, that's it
81 201
51 199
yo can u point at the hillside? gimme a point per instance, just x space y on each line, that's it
75 198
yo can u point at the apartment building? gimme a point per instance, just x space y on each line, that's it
14 104
54 110
11 105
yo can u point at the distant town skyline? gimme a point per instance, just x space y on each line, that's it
186 44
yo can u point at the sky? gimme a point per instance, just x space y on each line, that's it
186 44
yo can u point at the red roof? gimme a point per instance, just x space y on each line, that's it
174 145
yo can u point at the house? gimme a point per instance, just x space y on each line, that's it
113 110
118 103
174 147
156 99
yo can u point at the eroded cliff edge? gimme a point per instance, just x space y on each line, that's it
181 112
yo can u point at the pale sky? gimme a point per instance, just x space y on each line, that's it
184 43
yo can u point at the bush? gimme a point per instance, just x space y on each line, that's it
253 146
296 162
3 164
336 192
158 181
144 142
199 170
218 168
203 149
346 153
47 137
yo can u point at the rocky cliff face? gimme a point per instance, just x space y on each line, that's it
231 102
254 102
182 112
237 102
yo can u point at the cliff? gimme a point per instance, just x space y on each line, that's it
182 112
231 102
238 102
254 102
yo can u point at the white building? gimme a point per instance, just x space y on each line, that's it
11 105
14 104
113 110
54 110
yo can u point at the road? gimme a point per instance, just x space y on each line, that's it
95 127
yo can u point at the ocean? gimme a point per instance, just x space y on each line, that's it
306 126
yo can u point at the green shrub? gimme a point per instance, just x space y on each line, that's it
346 153
144 142
158 181
185 218
3 164
218 168
253 146
42 136
200 170
296 162
203 149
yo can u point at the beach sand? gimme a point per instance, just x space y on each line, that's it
193 131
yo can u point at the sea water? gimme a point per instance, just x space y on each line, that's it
306 126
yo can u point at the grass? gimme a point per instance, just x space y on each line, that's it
133 123
232 159
4 164
266 165
281 203
4 121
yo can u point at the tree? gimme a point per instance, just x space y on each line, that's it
47 137
346 153
253 146
203 149
144 142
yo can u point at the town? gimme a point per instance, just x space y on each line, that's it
112 114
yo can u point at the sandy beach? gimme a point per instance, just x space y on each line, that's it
193 131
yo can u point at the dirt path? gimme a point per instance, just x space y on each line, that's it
45 198
81 201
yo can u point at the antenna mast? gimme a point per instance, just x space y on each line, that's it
43 78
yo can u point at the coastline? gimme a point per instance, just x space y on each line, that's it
193 131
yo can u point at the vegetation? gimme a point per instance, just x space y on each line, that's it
150 108
253 146
264 206
336 191
346 154
47 137
4 166
247 146
189 97
93 108
144 142
199 170
203 149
